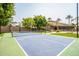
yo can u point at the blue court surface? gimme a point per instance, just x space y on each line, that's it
35 44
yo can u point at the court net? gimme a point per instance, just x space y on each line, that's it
18 34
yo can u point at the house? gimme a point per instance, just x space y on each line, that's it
52 25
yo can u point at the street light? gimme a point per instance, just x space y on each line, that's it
77 20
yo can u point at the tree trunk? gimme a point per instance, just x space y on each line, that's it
9 28
19 29
0 29
57 27
69 21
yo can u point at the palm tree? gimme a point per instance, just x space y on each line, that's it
72 20
69 18
49 19
57 23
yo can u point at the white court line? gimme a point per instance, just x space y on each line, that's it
68 45
21 47
66 48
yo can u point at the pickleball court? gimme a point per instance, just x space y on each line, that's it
37 44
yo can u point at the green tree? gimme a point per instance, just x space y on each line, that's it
69 18
28 23
40 21
6 12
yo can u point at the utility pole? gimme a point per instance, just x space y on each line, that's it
77 20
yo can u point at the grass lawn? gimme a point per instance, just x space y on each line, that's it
8 46
73 50
66 34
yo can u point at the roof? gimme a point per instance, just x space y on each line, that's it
14 23
54 23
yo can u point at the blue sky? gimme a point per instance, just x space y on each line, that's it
53 10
